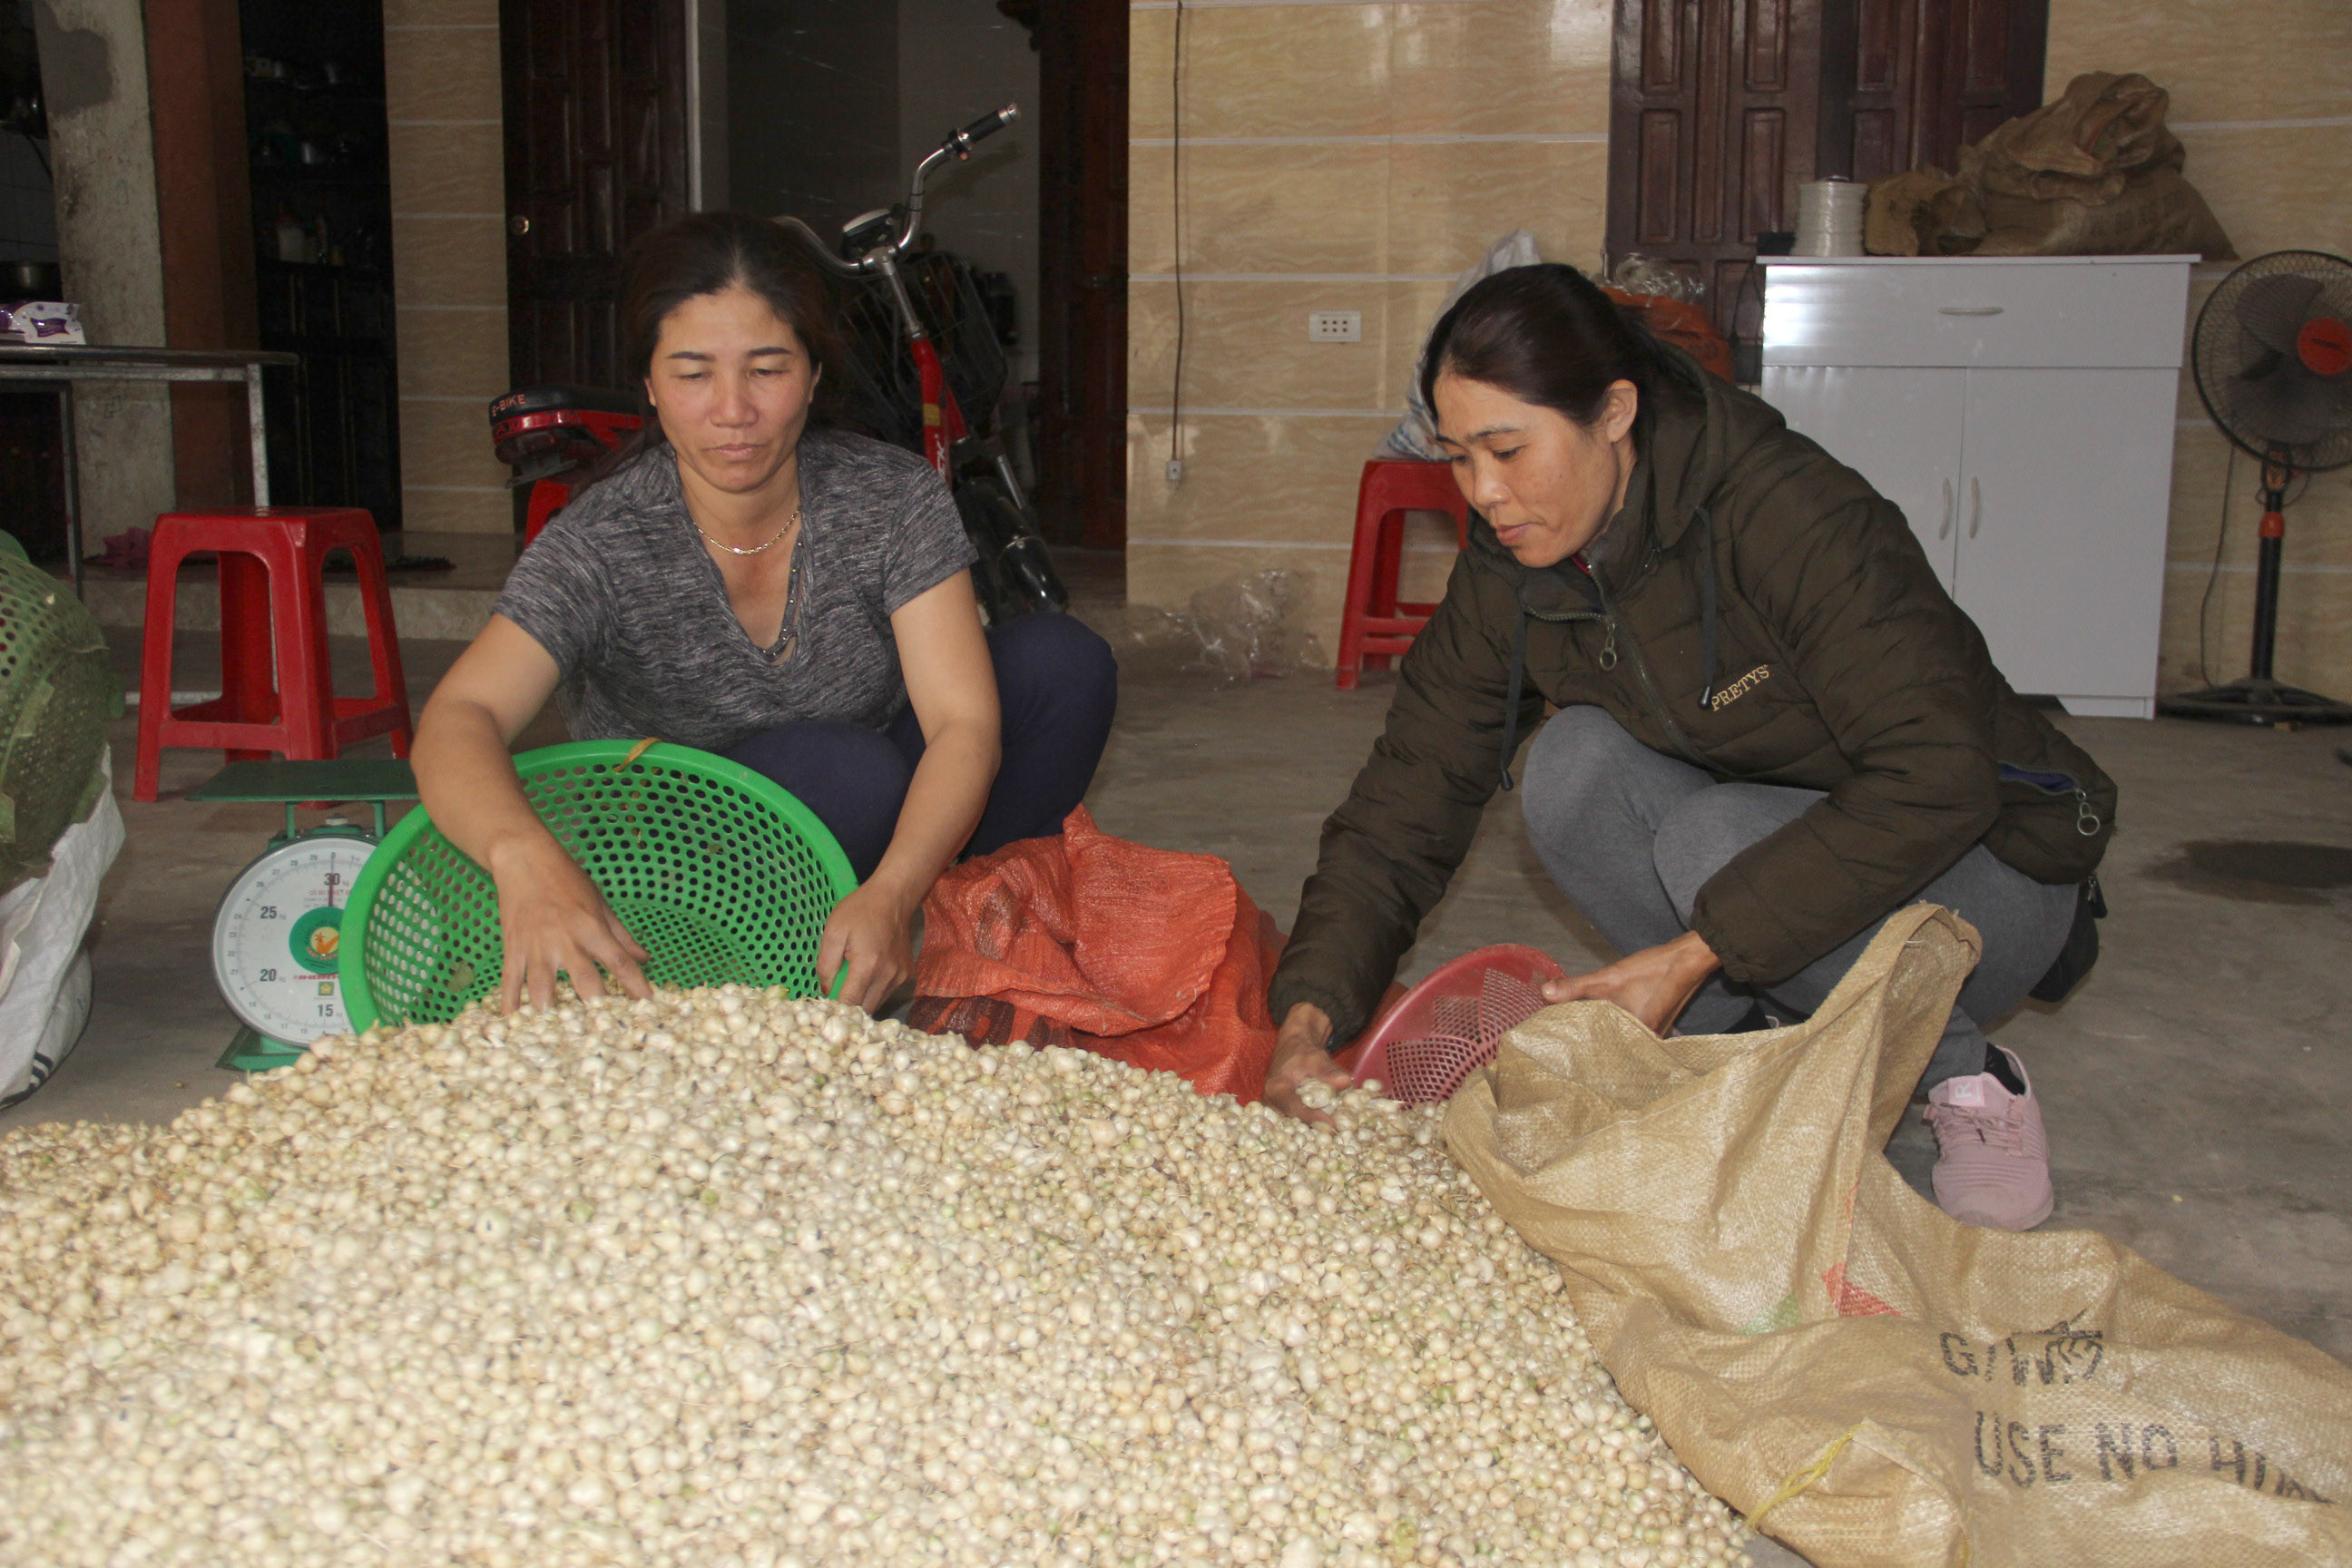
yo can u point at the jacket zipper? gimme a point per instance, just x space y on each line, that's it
1649 687
2087 821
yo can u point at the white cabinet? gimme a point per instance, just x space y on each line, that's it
2021 412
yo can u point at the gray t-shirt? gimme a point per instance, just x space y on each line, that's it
621 593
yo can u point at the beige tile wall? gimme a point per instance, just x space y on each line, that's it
1337 156
2270 146
448 243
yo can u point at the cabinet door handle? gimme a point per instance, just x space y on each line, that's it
1975 507
1945 532
1969 309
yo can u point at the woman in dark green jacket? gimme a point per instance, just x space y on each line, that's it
1773 726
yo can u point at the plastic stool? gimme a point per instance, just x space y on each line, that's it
1373 627
273 597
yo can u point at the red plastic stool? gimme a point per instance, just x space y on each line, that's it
1374 627
273 596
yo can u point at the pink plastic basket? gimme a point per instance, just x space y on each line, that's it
1445 1028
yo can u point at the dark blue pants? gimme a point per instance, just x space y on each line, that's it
1056 688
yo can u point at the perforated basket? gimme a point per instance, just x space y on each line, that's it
1448 1026
719 873
57 693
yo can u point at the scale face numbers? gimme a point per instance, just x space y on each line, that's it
277 935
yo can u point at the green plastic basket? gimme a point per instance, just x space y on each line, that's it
719 873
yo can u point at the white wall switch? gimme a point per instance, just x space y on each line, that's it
1334 326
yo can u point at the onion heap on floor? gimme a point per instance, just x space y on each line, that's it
726 1279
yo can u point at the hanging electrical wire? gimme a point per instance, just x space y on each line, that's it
1176 229
2221 538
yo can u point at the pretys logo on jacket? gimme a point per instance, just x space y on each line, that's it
1740 687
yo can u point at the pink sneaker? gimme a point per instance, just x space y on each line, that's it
1993 1169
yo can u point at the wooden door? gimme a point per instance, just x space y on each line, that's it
1907 83
1713 115
1080 439
596 154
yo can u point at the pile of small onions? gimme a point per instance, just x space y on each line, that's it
730 1279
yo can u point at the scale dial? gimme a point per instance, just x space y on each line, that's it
279 933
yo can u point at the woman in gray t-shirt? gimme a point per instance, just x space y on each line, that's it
793 596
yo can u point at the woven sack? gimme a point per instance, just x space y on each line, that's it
1153 957
1866 1378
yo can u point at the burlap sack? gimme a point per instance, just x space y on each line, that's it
2096 172
1890 225
2104 129
2159 213
1866 1378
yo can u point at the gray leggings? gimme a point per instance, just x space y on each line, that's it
1631 836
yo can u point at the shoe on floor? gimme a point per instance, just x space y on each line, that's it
1993 1163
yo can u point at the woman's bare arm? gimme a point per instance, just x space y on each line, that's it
952 688
549 915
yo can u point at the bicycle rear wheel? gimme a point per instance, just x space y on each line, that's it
1014 574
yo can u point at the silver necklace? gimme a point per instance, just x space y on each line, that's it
756 549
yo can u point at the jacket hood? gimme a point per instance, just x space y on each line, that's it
1699 425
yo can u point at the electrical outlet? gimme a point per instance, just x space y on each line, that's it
1334 326
1175 471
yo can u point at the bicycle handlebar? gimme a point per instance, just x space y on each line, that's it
958 146
985 126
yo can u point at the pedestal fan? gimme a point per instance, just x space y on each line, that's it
2273 356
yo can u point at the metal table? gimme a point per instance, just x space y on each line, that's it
65 365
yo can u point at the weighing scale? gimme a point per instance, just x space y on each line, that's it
279 930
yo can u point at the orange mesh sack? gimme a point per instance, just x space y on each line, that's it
1148 956
1682 324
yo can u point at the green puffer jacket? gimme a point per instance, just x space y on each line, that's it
1758 611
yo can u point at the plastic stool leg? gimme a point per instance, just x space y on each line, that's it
249 683
1387 562
1357 603
155 665
305 684
383 642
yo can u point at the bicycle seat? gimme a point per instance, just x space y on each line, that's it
542 431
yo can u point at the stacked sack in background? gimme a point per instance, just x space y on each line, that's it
2095 173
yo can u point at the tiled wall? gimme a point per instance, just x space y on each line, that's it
1335 156
449 268
2270 146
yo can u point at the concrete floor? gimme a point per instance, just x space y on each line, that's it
2194 1086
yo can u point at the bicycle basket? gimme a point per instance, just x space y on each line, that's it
885 395
718 872
968 348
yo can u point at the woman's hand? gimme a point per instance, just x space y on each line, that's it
550 914
1654 984
1299 1057
551 917
869 941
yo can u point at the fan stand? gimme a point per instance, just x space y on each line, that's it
2258 699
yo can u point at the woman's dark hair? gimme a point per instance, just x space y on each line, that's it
709 253
1547 335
